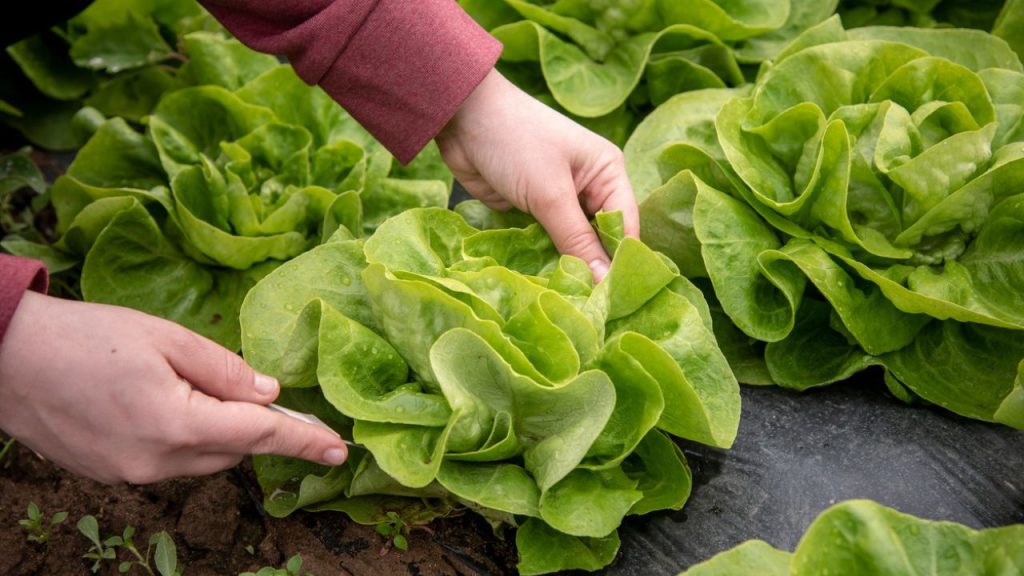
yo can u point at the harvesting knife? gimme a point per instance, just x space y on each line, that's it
308 419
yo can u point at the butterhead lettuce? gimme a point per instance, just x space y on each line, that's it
479 368
608 62
861 205
864 537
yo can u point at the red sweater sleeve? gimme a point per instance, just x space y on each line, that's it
16 276
399 67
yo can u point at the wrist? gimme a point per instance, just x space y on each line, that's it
13 356
25 316
477 105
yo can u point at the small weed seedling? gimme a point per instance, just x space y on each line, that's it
39 530
161 550
101 549
292 568
393 530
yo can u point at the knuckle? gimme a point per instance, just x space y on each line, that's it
613 155
265 441
185 437
188 343
612 166
310 449
235 371
547 202
605 153
291 441
577 241
173 429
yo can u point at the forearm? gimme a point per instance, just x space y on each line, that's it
400 68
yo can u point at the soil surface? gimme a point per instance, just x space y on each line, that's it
219 529
795 455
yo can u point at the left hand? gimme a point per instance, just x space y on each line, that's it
120 396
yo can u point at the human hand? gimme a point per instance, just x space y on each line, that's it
116 395
508 149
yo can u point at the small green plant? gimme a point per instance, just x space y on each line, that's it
164 553
39 530
161 550
292 568
393 530
101 549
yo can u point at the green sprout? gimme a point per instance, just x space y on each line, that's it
393 530
161 550
39 530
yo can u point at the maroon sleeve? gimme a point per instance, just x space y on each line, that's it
400 67
16 276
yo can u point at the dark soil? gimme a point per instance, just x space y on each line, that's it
219 529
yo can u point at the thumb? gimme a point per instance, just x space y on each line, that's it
563 218
217 371
243 428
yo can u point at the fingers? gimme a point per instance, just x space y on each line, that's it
609 190
217 371
244 428
563 218
621 198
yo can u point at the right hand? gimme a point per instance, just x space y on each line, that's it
120 396
509 149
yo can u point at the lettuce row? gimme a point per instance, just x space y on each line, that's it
606 63
921 13
862 204
479 368
233 176
1003 18
1009 25
116 56
864 537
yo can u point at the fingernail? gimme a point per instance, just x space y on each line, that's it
335 457
599 268
265 385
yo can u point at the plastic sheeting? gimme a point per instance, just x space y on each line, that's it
799 453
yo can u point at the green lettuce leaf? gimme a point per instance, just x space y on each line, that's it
864 537
753 556
1009 25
